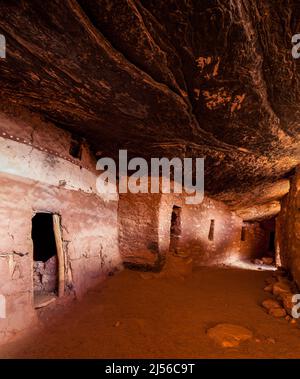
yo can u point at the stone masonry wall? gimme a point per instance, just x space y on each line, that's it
145 222
256 241
288 229
138 233
34 179
195 225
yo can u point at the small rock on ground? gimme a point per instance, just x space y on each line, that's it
270 304
258 261
229 335
288 304
277 312
267 260
281 287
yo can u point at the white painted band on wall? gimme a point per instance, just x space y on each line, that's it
27 162
2 306
13 137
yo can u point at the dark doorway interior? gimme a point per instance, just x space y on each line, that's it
175 230
272 242
268 226
44 246
76 147
45 262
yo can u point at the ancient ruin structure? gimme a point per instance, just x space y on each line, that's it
47 196
83 79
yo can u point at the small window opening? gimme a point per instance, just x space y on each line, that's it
243 233
211 230
76 147
175 230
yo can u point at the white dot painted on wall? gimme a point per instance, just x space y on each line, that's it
2 306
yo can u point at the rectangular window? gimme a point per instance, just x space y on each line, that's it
175 230
243 233
211 230
76 147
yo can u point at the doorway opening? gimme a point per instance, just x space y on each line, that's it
272 242
175 230
265 237
269 227
47 258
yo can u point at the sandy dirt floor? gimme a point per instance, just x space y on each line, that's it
132 317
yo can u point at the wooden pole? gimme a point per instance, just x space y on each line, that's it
60 255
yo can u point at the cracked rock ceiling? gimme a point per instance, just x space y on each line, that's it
193 78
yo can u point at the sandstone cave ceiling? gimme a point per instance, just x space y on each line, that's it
194 78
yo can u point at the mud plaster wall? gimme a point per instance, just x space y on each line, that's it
89 226
145 221
30 129
195 226
256 241
288 229
138 233
90 240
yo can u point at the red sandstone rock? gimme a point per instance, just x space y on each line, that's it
229 335
155 86
181 88
270 304
267 260
288 304
277 312
281 287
